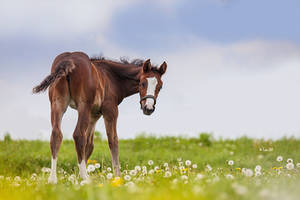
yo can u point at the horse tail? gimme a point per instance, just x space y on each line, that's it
62 70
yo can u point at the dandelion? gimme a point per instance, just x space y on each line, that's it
137 168
290 166
257 173
230 162
108 169
194 166
91 168
208 167
17 179
144 168
97 165
199 176
257 168
150 162
156 168
109 176
289 160
229 176
127 178
132 172
46 170
117 182
151 171
166 165
279 158
188 162
167 174
72 178
248 172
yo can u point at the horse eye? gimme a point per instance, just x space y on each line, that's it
143 84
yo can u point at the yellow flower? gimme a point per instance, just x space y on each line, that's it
158 170
279 167
238 168
100 185
89 161
117 182
274 168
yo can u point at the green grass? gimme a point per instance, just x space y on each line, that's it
23 158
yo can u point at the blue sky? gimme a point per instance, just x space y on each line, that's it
233 65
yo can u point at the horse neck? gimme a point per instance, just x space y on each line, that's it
131 86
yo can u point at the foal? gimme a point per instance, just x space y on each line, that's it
95 88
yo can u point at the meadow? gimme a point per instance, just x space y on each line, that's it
156 168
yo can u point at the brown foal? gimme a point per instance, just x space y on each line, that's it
95 87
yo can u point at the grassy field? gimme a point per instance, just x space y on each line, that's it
156 168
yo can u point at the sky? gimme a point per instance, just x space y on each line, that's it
233 65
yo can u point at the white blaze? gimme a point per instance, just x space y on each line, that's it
82 170
152 82
52 178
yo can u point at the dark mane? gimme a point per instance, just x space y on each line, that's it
122 60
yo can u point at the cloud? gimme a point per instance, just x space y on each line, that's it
57 18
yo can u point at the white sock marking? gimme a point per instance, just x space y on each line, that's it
82 170
152 82
52 178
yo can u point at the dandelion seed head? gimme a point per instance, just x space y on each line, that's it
188 162
150 162
109 176
230 162
290 166
194 166
97 165
279 158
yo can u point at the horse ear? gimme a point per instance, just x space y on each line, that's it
163 68
147 66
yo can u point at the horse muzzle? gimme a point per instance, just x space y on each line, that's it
148 109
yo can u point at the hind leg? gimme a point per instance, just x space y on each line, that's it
90 137
80 138
59 104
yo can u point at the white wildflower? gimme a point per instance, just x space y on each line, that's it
91 168
97 165
138 168
199 176
289 160
257 173
150 162
230 162
248 172
127 178
151 171
132 172
46 170
257 168
167 174
290 166
194 166
188 162
279 158
17 179
208 167
166 165
156 168
109 176
108 169
229 176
